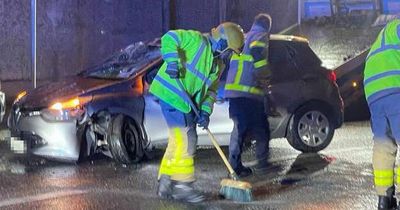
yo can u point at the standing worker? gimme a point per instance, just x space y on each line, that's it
246 99
382 90
193 58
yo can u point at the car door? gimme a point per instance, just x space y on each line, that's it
157 129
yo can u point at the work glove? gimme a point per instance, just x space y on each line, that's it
172 70
203 120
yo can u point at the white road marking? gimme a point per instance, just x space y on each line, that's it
40 197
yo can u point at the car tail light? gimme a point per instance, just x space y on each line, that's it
331 76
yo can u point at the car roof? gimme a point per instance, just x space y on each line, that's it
281 37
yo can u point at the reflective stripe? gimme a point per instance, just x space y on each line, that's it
239 72
198 54
192 66
260 63
172 55
257 44
201 76
207 107
183 170
383 182
172 88
398 175
383 178
177 161
173 35
236 84
244 88
242 57
181 164
383 46
381 84
171 167
381 75
208 102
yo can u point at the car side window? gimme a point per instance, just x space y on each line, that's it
151 73
306 59
282 61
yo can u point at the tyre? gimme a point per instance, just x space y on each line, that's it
124 140
87 145
311 128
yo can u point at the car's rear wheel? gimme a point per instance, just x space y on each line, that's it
310 129
124 140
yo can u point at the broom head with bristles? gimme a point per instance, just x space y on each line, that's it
236 190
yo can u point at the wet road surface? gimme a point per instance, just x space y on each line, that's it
340 177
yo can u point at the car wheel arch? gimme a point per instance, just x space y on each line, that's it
99 123
116 139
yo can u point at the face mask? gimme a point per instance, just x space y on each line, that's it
223 53
221 46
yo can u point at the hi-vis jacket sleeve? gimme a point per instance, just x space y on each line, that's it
259 52
170 43
211 96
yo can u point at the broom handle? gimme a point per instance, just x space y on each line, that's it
212 137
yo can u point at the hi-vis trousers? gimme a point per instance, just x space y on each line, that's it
178 158
385 123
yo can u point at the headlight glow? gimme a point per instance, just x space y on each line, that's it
69 109
20 95
70 104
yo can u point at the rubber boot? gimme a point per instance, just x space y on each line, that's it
243 172
185 192
386 203
164 187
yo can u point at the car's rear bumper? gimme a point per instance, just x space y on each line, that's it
50 139
339 119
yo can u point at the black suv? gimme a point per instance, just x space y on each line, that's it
304 95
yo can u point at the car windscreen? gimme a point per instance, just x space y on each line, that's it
125 63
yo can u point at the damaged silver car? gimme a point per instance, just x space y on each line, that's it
107 109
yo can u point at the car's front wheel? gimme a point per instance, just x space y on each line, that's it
310 129
124 140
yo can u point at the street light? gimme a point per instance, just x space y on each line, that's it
33 41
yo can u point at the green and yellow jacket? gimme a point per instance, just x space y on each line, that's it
198 70
382 68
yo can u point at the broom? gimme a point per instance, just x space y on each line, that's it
230 188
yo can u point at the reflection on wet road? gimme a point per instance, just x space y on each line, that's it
340 177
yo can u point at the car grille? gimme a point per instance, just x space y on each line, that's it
33 140
15 115
17 112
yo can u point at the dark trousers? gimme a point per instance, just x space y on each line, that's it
250 123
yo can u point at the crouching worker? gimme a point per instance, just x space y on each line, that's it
194 59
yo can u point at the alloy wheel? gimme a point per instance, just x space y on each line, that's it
313 128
